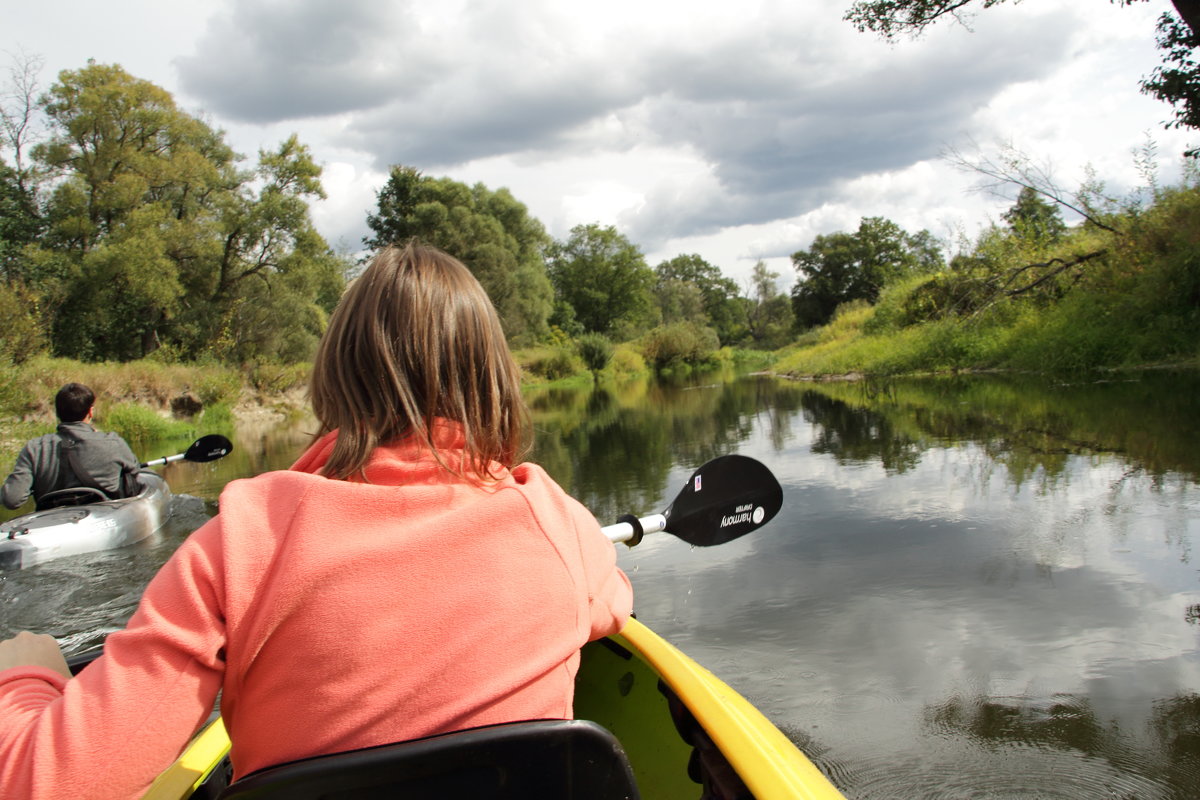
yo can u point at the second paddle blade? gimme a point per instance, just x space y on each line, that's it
726 498
208 448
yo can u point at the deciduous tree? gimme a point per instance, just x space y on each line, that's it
718 294
490 231
769 314
603 277
154 237
1034 218
841 267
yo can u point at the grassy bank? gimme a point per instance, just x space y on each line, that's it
1133 300
144 401
1066 339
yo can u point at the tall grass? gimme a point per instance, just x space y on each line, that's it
32 385
138 424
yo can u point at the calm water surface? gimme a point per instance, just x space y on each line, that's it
977 588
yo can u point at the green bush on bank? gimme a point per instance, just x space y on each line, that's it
670 347
550 362
139 424
596 351
268 377
626 362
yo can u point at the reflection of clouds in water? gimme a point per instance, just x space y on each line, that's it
876 594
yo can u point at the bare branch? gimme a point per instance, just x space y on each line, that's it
1061 265
1013 168
18 108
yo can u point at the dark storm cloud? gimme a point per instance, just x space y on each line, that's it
489 118
268 61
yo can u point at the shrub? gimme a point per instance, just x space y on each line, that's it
679 343
551 363
23 334
217 385
596 350
14 397
216 417
271 378
626 362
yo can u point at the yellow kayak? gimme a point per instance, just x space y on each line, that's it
677 724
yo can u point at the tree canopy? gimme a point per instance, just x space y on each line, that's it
149 235
490 231
1035 218
691 289
841 267
1176 82
603 280
129 227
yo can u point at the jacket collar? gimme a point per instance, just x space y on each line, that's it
448 439
74 429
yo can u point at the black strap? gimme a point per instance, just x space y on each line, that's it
638 531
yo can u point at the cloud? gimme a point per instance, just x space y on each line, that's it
271 60
730 118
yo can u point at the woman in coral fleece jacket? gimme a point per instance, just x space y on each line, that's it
402 579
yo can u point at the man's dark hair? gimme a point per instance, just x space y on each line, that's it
73 402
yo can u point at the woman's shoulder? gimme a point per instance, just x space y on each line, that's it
544 493
273 485
531 474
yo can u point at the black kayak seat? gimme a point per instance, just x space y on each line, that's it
576 759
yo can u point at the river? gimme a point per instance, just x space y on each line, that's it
977 587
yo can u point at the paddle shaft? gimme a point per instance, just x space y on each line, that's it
624 531
165 460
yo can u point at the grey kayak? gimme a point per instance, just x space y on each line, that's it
57 532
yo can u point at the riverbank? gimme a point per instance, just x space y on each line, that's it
1062 339
1118 291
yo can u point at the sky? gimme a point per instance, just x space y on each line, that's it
736 131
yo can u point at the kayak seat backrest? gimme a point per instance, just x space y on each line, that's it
543 758
75 496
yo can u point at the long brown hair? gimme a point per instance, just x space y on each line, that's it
414 338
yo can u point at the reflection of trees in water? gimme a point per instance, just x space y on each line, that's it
1171 757
1176 725
1062 721
631 435
856 435
1032 426
613 448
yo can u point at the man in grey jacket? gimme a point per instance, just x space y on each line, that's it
77 455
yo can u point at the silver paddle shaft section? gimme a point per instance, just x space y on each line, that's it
165 460
623 531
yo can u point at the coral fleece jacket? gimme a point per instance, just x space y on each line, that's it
331 615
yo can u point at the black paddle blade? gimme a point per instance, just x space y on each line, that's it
726 498
208 448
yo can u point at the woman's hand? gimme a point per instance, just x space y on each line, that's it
33 649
